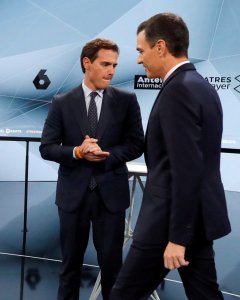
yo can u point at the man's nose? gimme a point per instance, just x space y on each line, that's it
139 60
111 70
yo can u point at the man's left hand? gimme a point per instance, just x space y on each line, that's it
96 156
174 256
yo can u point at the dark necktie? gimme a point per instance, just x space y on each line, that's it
93 120
92 115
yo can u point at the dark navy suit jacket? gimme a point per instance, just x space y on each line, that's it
119 131
184 197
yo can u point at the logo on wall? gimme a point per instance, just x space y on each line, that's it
142 82
224 82
237 88
41 81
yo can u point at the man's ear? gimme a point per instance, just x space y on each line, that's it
86 62
161 47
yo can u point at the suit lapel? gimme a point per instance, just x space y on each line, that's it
184 67
80 110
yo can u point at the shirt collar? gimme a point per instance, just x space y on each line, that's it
87 91
174 68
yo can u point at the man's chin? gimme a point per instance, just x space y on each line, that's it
149 75
104 85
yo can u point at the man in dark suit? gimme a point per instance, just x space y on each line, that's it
92 184
184 207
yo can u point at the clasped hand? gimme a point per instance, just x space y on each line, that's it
91 151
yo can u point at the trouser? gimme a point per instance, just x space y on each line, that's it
144 270
108 237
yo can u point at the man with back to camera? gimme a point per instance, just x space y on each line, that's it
184 206
92 131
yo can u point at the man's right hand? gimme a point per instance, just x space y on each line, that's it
89 145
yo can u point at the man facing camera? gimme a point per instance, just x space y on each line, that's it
92 131
184 207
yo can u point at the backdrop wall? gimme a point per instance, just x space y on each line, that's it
41 42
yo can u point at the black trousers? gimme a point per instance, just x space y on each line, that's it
144 270
108 237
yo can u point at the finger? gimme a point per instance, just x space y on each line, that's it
183 262
90 148
96 149
92 156
91 141
93 149
168 263
88 139
176 263
105 153
85 149
101 153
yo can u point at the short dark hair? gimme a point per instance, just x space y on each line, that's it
91 49
170 28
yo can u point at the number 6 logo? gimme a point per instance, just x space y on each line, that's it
41 81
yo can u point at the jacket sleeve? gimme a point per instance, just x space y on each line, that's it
51 147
